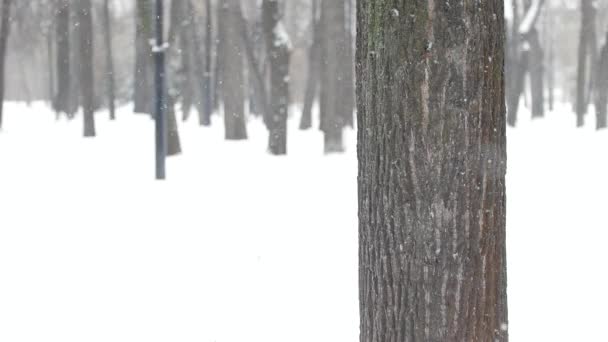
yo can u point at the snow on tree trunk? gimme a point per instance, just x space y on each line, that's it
432 165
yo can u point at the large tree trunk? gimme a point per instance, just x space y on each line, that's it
233 83
201 79
143 82
107 34
85 46
432 165
278 47
4 30
62 35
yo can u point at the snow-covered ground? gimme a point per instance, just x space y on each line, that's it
241 246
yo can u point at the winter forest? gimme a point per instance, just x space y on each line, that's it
303 170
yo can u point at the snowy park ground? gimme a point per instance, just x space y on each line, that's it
241 246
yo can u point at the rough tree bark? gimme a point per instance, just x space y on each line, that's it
62 35
278 49
85 47
4 31
107 35
232 86
432 165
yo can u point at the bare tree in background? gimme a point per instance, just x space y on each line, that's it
62 35
233 91
314 65
143 75
278 49
335 108
85 47
585 59
107 34
432 166
601 94
4 31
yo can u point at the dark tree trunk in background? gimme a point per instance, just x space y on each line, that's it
107 34
333 109
314 66
4 31
200 78
347 66
220 40
583 53
432 165
208 82
74 101
50 65
256 73
601 93
550 72
536 60
143 83
278 49
514 69
85 46
62 35
232 74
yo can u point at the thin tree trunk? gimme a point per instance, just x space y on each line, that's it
601 93
581 84
233 83
85 46
200 76
208 81
332 78
278 49
314 64
62 35
432 166
4 32
536 74
144 66
107 31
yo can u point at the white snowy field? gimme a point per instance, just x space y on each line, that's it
241 246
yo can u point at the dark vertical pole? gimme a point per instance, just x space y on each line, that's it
159 78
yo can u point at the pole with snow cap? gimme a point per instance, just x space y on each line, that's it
158 49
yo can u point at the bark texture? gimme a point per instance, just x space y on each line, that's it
432 165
